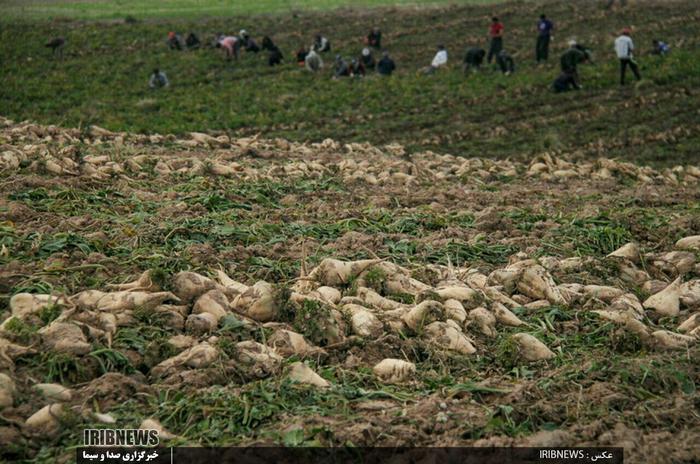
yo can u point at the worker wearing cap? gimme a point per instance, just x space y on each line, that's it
624 48
247 42
367 59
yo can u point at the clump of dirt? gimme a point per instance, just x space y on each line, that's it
112 389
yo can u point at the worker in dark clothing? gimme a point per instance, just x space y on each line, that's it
342 69
573 56
367 59
268 44
321 44
374 38
576 54
505 62
496 35
386 65
56 45
565 82
473 59
174 41
247 42
192 41
275 56
252 46
544 36
357 69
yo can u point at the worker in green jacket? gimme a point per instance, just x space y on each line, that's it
576 54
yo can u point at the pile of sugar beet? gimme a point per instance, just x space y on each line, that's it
71 152
338 302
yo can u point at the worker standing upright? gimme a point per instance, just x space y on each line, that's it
624 47
544 36
496 34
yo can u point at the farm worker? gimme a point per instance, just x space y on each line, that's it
367 59
268 44
659 47
158 79
192 41
321 44
624 48
275 57
565 82
231 44
357 69
313 61
386 65
474 58
544 35
56 45
341 68
247 42
374 38
505 62
439 60
572 57
252 46
496 34
301 56
174 41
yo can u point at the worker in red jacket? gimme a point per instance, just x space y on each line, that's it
496 34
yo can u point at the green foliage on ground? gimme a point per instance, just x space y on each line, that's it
103 81
103 9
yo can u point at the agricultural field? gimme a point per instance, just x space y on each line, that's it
265 257
105 10
103 81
